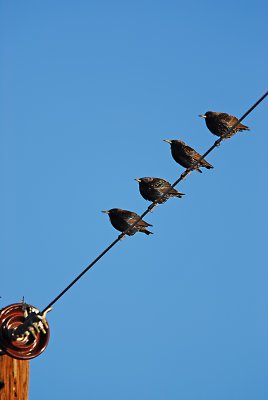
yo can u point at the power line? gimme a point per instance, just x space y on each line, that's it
152 205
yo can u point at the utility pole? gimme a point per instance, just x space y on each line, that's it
14 378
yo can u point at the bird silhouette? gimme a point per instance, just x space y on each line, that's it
219 123
186 155
123 219
155 189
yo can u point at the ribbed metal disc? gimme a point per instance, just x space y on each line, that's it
10 318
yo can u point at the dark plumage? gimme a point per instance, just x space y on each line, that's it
186 156
123 219
219 123
153 188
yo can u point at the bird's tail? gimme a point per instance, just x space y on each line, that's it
179 194
175 193
207 165
242 127
146 231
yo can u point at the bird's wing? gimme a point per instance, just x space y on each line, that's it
230 119
192 153
143 223
132 217
234 120
160 183
189 150
225 116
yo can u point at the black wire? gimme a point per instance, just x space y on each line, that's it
152 205
82 273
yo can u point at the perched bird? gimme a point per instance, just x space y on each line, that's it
123 219
153 189
219 123
186 156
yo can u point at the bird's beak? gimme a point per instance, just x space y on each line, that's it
202 115
106 211
137 179
168 141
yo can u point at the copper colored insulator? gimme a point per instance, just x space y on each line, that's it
29 347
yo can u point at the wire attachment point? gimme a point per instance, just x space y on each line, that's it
35 322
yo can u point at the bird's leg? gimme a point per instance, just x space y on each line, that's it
121 236
218 142
185 173
152 206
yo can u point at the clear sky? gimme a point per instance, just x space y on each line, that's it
89 90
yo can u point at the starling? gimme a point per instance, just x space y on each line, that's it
186 156
153 189
219 123
123 219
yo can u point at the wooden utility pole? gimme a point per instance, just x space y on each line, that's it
14 377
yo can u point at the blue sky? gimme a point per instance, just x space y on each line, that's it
89 90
